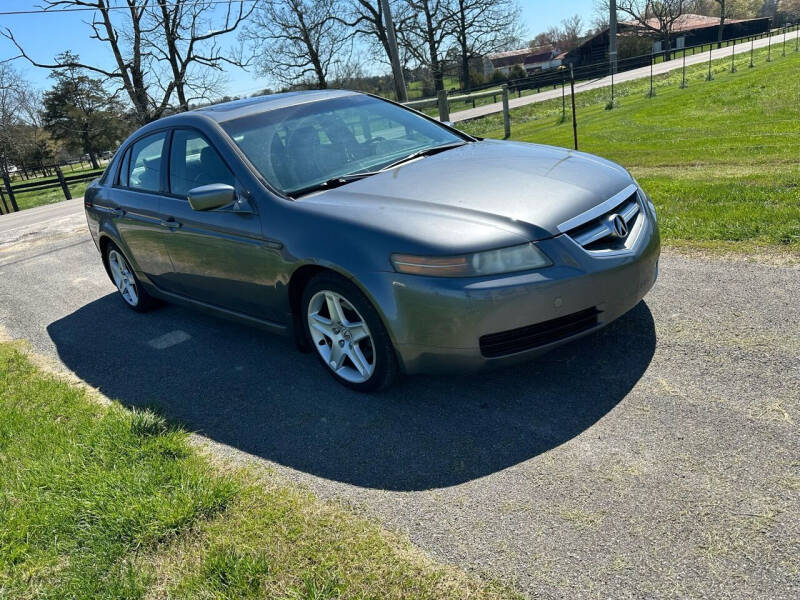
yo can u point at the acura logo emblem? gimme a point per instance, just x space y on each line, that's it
617 226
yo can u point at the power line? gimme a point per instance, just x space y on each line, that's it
44 11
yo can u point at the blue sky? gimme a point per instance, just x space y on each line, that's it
43 36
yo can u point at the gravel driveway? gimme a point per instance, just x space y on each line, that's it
657 458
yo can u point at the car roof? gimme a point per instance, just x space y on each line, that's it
248 106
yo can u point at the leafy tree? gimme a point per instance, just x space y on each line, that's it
79 112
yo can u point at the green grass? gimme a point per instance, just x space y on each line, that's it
40 197
719 158
97 501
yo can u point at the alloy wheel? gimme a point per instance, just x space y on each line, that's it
123 277
341 336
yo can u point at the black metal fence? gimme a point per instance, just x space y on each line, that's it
582 72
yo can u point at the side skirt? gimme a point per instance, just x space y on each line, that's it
271 326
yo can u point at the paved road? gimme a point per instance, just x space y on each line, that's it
490 109
655 459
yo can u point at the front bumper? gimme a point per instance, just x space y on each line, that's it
436 323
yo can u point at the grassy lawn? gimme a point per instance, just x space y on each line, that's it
101 502
40 197
719 158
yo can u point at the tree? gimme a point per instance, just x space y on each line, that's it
657 16
297 40
566 37
79 112
18 117
146 33
425 33
481 27
189 44
789 10
366 19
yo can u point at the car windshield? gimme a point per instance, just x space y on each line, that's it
299 147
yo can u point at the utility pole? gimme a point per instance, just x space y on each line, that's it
397 70
612 35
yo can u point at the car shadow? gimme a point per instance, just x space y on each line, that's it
254 391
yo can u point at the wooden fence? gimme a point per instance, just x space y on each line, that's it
8 192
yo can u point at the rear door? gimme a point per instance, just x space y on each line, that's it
218 256
138 190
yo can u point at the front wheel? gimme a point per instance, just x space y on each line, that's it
348 334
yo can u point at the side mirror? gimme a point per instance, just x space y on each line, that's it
208 197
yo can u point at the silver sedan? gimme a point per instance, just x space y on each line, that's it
382 240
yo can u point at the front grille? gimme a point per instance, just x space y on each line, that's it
540 334
595 232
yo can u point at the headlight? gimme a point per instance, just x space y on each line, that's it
646 198
490 262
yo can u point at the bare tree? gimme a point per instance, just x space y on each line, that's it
297 41
566 37
147 32
481 27
366 19
656 16
10 85
425 34
190 36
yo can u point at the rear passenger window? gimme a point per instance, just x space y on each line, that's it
194 162
145 163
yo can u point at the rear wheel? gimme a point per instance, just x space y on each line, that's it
348 334
130 290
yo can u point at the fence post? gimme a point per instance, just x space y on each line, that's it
3 202
63 182
444 108
563 100
784 40
709 77
506 114
733 57
574 116
10 192
751 53
652 60
683 81
611 68
769 46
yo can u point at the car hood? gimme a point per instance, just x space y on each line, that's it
527 189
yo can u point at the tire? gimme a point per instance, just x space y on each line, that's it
129 288
350 341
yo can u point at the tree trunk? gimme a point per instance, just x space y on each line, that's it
721 37
436 67
465 78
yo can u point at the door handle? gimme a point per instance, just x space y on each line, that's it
117 212
170 224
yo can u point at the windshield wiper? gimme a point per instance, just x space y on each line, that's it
345 179
333 182
424 152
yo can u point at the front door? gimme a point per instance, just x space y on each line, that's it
218 256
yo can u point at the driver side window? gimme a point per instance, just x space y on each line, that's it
194 162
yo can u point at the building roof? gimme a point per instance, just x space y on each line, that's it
686 22
523 55
539 55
